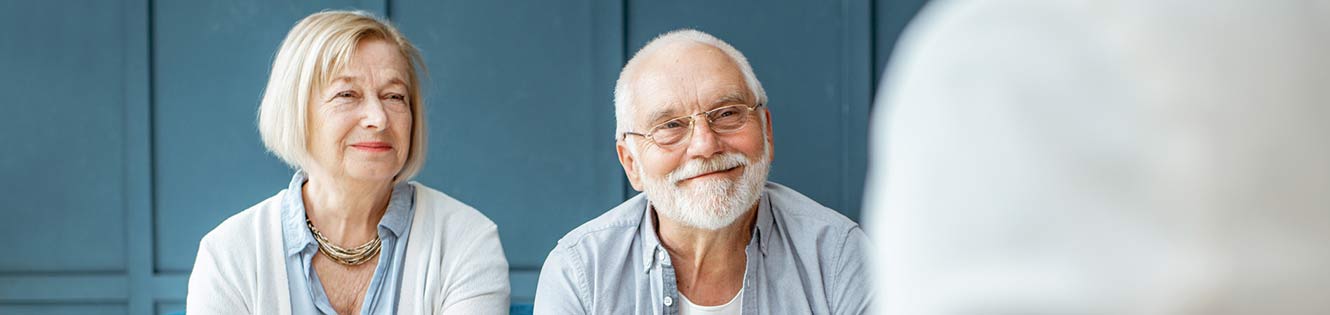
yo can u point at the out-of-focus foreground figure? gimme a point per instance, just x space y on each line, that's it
1095 157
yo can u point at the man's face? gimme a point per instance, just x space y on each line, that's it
709 179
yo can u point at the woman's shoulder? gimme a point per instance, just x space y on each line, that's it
246 227
461 246
238 263
446 210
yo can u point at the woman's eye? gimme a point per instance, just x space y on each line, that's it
345 94
396 100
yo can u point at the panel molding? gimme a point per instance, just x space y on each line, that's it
610 46
523 285
63 288
138 156
63 308
169 287
857 97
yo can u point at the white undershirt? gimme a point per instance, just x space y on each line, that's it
734 306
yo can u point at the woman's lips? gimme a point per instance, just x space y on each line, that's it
373 146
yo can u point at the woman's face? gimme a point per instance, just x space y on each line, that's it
360 122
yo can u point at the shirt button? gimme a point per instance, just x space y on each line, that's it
669 301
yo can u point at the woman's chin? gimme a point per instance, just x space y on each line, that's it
372 172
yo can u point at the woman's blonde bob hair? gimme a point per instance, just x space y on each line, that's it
315 50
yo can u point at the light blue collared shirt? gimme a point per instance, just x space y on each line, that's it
307 295
803 258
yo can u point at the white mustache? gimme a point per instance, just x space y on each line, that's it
698 166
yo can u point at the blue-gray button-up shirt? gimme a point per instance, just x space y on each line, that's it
803 258
307 295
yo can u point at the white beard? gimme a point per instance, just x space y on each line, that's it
710 203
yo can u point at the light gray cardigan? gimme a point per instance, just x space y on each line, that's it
454 262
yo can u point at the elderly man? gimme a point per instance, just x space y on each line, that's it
709 235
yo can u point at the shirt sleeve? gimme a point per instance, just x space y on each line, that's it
851 292
561 284
481 285
210 290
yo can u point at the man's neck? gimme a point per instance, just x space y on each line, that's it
709 264
345 212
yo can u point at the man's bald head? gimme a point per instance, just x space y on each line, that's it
680 48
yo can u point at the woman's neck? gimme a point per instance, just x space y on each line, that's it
346 212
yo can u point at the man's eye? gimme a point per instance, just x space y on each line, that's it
672 125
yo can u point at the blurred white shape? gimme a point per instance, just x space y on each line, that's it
1105 157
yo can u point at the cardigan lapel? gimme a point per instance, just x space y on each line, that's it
417 278
276 257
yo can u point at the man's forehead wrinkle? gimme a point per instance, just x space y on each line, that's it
664 98
731 96
697 97
661 86
682 77
660 114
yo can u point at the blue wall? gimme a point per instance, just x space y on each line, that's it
130 125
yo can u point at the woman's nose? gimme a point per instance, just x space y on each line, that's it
375 117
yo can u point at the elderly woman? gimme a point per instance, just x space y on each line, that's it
349 234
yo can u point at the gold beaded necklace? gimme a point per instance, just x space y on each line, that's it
350 257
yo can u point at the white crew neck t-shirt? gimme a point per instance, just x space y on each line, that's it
733 307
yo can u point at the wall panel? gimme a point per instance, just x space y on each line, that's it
63 160
133 122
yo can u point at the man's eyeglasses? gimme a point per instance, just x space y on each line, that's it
723 120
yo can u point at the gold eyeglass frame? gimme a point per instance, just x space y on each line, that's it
691 120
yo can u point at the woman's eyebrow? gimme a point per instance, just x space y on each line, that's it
396 80
340 79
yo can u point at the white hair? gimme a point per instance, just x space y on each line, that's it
316 48
623 94
711 204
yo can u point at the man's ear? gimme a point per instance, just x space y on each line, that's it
628 161
771 139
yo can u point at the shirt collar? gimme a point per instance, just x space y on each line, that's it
400 207
647 233
396 219
294 230
652 251
764 230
